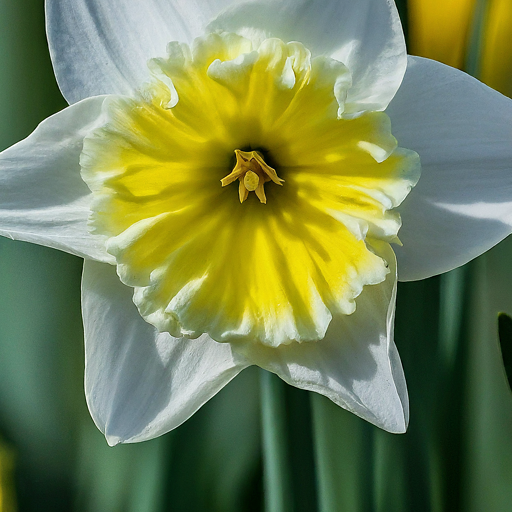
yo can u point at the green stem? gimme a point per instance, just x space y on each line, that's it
343 458
473 58
277 481
450 312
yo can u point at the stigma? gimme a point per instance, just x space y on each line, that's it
252 172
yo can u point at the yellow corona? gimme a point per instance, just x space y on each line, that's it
308 226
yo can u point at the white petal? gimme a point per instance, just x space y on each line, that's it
43 199
462 205
356 365
101 47
140 383
366 35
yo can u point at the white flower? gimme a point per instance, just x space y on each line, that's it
304 285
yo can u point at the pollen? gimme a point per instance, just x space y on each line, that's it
253 172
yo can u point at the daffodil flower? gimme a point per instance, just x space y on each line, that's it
237 197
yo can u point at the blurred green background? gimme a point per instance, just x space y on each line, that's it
260 445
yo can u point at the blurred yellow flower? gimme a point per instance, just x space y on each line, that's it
7 499
496 56
440 29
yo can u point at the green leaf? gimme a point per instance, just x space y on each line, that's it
505 338
276 467
214 462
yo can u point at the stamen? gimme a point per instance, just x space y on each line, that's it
253 172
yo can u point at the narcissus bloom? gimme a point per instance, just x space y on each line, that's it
238 198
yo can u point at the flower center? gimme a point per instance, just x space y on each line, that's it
252 172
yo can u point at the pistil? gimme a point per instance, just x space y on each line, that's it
253 172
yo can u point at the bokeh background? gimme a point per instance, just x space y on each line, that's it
260 445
